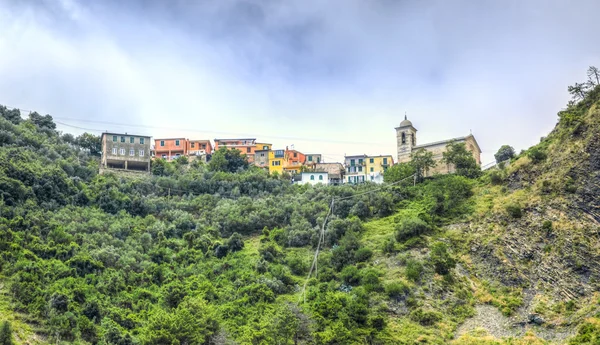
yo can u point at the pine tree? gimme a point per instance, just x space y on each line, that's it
6 337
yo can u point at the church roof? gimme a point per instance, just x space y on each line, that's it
459 139
405 122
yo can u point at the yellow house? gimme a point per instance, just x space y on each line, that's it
263 147
276 161
376 166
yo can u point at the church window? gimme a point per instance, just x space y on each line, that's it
403 138
413 140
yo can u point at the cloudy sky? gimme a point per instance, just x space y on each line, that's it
332 77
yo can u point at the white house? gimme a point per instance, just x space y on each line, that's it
312 178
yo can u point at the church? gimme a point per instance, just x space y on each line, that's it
406 136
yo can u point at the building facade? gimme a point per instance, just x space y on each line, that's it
246 145
199 148
125 151
313 158
406 136
261 159
335 172
313 178
355 168
376 167
277 159
294 161
170 148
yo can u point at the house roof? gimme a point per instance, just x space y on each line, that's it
126 134
335 170
459 139
235 139
169 139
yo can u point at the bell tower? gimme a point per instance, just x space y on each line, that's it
406 136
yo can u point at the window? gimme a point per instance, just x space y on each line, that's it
193 145
248 149
275 163
132 152
122 139
310 158
352 162
321 177
372 178
164 156
162 143
262 154
114 138
122 152
318 159
312 177
413 140
114 150
371 160
204 146
403 138
142 141
141 153
131 140
265 147
372 169
295 154
360 161
176 142
385 161
359 169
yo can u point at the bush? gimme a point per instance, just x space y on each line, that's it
496 177
397 289
413 270
6 337
235 242
297 264
411 227
363 254
350 275
536 154
389 246
441 259
370 280
425 317
514 210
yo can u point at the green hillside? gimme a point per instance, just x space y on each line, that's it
219 253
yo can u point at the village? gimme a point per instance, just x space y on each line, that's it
131 152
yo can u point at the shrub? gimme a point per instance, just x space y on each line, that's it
370 280
411 227
496 177
413 270
514 210
297 264
350 275
397 289
547 225
441 259
235 242
6 337
363 254
425 317
389 246
536 154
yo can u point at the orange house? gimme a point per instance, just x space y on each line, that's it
199 147
170 148
295 159
246 145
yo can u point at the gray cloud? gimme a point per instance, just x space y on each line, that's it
334 70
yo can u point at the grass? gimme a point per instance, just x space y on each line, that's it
23 332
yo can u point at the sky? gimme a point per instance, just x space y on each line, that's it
332 77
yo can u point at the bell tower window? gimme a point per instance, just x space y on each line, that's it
403 138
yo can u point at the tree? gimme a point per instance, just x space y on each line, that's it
398 172
43 122
505 152
6 337
422 161
12 115
593 74
578 91
89 142
464 163
228 160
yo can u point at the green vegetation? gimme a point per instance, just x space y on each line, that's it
219 253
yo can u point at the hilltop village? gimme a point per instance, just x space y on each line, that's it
131 152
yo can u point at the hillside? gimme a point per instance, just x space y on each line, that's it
207 254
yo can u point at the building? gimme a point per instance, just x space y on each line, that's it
313 158
355 168
277 160
376 167
170 148
246 145
262 147
125 151
199 148
261 159
335 172
294 161
312 178
406 137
